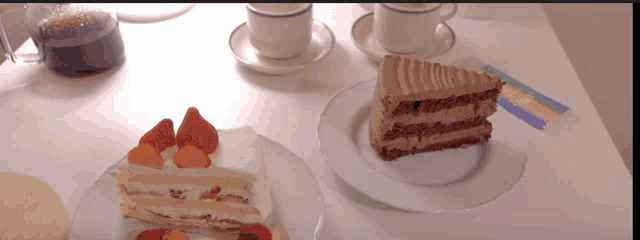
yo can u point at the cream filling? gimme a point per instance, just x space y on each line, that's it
184 224
445 116
408 143
189 191
194 213
179 209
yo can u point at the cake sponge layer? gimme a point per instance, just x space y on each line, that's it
392 154
421 142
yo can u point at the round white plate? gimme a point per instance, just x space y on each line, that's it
297 200
448 180
363 37
322 41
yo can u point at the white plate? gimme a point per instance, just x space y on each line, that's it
297 200
363 37
322 40
438 181
150 13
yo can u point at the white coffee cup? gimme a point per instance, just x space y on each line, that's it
406 28
280 30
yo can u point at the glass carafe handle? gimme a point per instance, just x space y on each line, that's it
23 58
453 12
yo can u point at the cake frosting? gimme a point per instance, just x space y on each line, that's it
423 106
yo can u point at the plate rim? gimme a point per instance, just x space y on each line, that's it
419 206
282 70
262 140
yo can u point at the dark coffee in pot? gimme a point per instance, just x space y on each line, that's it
81 44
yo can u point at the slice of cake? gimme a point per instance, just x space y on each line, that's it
420 106
197 180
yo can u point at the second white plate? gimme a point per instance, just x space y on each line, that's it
296 197
437 181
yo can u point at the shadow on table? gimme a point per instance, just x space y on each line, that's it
53 96
354 195
47 143
326 74
42 82
45 83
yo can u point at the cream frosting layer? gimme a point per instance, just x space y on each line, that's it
237 164
186 224
185 191
410 142
126 176
178 209
445 116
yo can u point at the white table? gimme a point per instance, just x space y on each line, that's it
66 134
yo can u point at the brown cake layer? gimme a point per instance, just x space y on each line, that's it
434 105
426 129
393 154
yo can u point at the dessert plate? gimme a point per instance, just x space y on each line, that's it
150 13
296 197
322 41
363 37
449 180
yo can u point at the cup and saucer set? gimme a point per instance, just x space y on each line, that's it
414 30
280 39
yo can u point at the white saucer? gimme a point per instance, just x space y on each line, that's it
295 191
363 37
448 180
322 41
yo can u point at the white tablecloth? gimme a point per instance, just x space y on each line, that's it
67 133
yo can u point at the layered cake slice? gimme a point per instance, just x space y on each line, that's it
419 106
197 180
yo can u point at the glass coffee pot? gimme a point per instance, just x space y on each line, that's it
72 39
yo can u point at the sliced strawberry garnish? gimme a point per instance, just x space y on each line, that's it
197 131
190 156
145 155
155 234
258 232
213 194
174 235
161 136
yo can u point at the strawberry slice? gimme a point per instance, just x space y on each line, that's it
257 232
154 234
190 156
174 235
213 194
197 131
161 136
162 234
145 155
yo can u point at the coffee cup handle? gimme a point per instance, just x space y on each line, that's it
24 58
451 14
